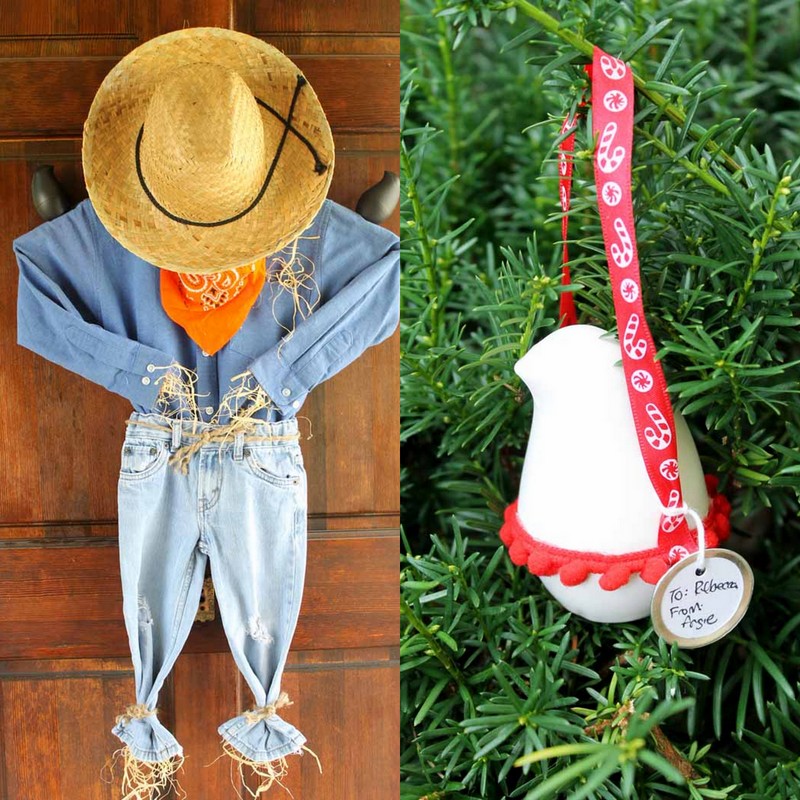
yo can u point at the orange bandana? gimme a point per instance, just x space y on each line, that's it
212 307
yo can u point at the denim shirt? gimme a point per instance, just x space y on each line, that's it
90 305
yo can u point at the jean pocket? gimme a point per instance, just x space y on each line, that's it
279 466
141 460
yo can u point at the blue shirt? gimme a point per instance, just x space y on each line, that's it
90 305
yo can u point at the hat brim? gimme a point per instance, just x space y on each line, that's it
295 192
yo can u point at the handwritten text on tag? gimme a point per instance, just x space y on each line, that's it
694 607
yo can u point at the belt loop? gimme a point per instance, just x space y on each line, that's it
176 434
238 446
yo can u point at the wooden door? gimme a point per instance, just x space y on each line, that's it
64 665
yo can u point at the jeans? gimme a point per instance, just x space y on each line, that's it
242 504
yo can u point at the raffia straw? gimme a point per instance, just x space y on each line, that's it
178 388
240 403
267 772
181 458
243 399
295 273
142 779
267 711
135 711
310 428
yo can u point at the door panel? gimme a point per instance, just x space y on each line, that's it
63 599
55 740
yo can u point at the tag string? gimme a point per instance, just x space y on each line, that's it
566 308
699 528
612 130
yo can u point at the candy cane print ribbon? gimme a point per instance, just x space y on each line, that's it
612 90
612 129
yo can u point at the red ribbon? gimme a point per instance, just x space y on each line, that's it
612 129
566 306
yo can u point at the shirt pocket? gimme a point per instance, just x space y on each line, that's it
279 466
141 460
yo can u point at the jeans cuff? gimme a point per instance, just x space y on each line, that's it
264 740
147 739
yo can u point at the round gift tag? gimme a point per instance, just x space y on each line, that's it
695 605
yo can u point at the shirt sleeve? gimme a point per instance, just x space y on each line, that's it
58 311
358 274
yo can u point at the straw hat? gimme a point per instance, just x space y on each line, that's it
206 148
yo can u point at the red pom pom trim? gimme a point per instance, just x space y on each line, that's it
574 566
574 572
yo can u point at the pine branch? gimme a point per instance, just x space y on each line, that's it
694 170
582 45
434 645
667 749
781 191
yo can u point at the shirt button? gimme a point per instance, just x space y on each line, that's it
151 367
296 404
146 380
205 355
286 391
209 410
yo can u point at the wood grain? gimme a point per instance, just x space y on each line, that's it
66 602
22 18
348 18
340 701
359 27
51 98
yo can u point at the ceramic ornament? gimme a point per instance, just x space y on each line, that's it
612 481
584 485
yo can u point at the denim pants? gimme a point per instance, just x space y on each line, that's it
242 505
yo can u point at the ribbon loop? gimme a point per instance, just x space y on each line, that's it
612 129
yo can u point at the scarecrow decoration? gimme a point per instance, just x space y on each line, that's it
208 280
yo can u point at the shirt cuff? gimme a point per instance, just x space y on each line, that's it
148 365
278 381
